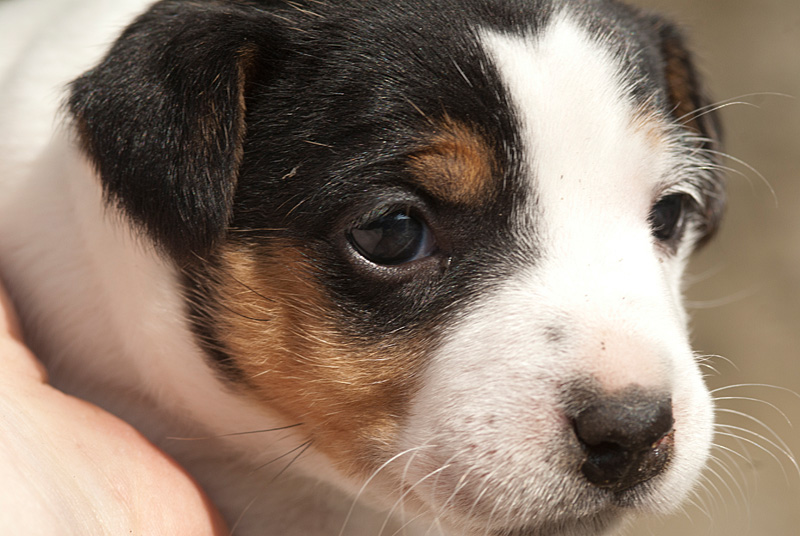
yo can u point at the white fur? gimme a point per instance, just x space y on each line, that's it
108 317
595 274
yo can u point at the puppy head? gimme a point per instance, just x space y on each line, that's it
448 239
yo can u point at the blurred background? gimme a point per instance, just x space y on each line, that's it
745 286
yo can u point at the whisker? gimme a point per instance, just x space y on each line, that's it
716 496
371 478
244 511
705 110
757 421
404 480
740 480
720 357
461 72
724 482
709 366
234 434
406 492
721 302
293 460
421 113
691 279
731 452
483 489
406 524
518 491
263 465
701 506
759 446
491 515
748 167
304 447
303 10
766 385
707 360
700 503
449 461
758 400
713 107
458 487
251 289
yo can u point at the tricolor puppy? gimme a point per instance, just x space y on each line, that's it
430 249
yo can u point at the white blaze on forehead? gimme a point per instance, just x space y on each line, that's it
594 165
586 148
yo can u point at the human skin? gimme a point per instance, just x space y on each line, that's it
68 467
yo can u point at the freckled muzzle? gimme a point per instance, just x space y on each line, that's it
626 438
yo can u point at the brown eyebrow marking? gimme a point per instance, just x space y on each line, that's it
456 164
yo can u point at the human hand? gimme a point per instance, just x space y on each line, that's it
68 467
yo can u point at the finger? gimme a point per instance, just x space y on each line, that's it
15 358
9 323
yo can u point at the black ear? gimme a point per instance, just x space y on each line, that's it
689 102
162 117
691 108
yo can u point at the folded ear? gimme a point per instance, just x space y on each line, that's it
691 108
162 117
690 104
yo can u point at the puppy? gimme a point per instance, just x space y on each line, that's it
403 266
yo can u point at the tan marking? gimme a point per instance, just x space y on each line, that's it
213 123
679 79
683 88
457 164
651 124
245 66
278 327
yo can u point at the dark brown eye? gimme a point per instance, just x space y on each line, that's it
667 217
392 239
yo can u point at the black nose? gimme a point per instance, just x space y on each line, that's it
627 438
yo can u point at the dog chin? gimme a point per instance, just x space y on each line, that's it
597 512
602 513
603 523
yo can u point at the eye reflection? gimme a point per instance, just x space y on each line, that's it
392 239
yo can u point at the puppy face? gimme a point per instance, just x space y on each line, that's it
447 239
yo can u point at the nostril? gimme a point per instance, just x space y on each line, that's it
627 438
606 464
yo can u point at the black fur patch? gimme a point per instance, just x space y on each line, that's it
691 108
162 116
252 122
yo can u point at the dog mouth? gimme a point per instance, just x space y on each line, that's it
610 508
598 524
609 458
637 467
576 506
